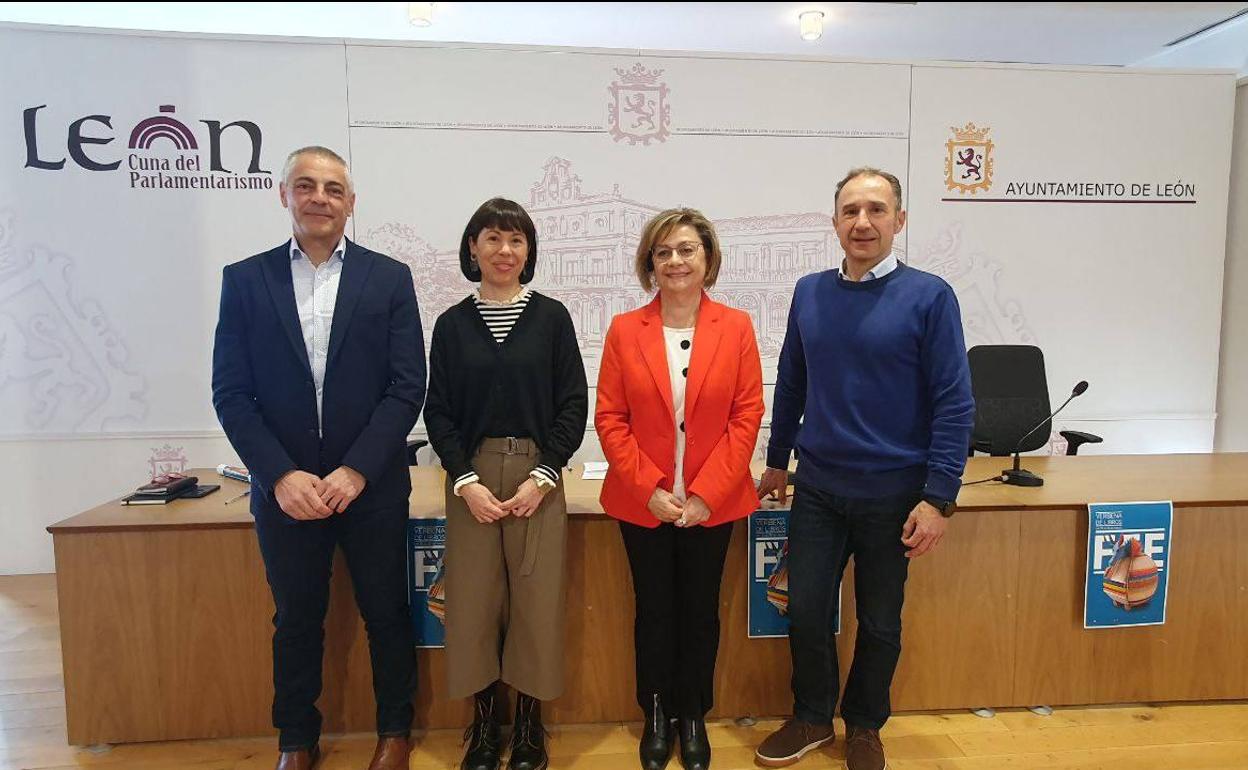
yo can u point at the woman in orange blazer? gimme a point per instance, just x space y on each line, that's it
680 399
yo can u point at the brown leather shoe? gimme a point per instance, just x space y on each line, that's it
863 750
303 759
391 754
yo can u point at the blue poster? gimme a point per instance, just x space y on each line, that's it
1128 559
426 541
768 597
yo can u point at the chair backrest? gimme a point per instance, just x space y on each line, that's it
1011 397
413 446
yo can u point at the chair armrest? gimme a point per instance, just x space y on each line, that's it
981 445
1077 438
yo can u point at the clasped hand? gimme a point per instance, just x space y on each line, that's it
486 508
306 497
667 508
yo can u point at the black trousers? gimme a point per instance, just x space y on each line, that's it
298 558
676 577
824 531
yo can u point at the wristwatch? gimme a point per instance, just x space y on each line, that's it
544 484
946 507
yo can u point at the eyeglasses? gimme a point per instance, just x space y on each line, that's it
687 251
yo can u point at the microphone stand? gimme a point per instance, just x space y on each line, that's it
1021 477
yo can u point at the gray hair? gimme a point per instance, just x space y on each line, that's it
320 152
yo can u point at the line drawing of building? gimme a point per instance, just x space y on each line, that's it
586 247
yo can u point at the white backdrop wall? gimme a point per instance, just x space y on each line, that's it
1068 250
1232 431
108 288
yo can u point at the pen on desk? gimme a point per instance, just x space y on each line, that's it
238 497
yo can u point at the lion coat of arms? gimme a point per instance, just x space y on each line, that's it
968 161
638 110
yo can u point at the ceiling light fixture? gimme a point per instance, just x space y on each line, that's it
811 24
420 14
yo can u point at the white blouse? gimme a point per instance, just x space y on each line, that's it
679 344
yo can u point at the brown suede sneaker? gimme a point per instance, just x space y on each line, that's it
863 750
791 742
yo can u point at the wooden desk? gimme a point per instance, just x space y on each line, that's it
165 613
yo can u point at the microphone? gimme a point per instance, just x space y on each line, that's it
1024 478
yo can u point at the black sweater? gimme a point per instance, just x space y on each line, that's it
531 386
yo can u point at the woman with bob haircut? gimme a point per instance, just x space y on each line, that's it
505 410
680 399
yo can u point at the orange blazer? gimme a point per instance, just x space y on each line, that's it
723 409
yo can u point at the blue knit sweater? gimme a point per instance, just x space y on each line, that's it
877 376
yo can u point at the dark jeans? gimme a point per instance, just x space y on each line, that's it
676 577
298 559
824 531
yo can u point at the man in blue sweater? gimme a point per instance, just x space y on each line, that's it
874 369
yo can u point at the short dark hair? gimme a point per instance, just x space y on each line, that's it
500 214
854 173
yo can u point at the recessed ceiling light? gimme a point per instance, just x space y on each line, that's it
810 23
420 14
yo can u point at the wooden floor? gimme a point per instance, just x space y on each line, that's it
1134 737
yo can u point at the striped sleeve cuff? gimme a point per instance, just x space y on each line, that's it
465 480
547 472
545 479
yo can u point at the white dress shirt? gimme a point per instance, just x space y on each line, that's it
885 266
316 294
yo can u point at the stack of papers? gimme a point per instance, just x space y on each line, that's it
595 471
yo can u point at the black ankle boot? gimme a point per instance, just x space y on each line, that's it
482 736
656 739
695 747
528 737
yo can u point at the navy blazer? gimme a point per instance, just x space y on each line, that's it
374 387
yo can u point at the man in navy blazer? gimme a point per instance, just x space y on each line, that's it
318 374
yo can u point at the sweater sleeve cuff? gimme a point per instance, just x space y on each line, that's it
778 457
552 460
550 474
942 487
463 481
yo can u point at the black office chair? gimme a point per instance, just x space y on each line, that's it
1011 397
414 445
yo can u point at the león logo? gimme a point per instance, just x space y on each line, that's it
968 161
638 110
163 152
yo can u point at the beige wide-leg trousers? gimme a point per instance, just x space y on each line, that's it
505 583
